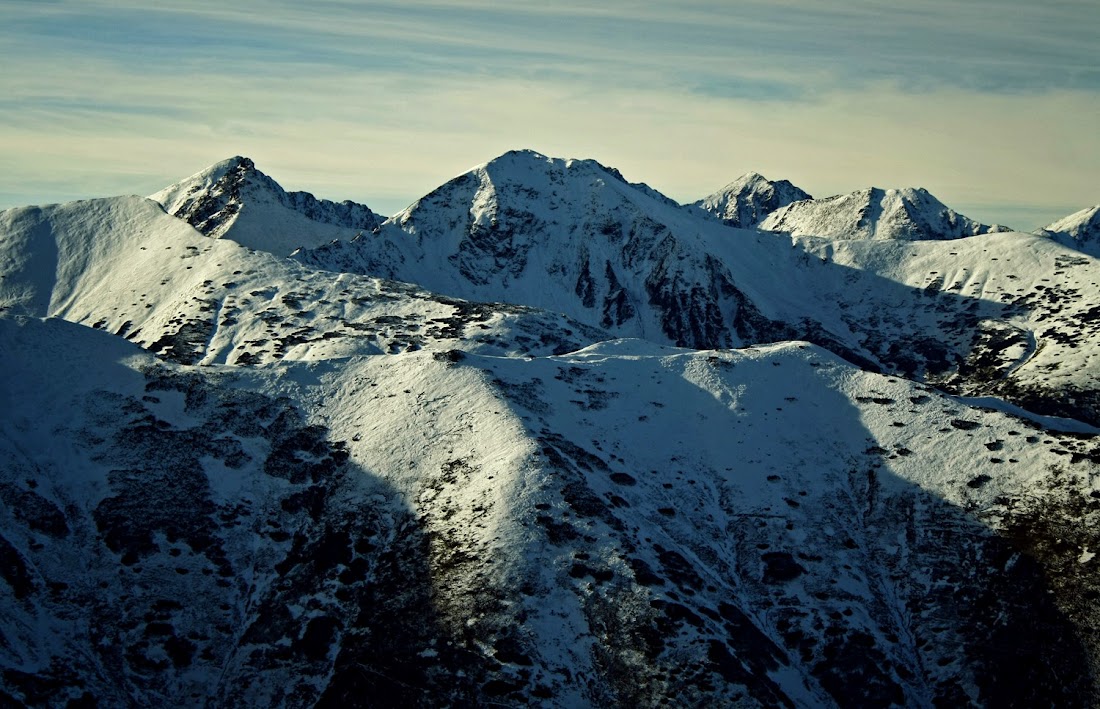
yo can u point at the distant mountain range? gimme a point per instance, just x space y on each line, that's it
546 438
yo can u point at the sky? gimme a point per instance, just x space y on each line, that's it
991 105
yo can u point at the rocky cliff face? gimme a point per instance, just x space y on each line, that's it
233 479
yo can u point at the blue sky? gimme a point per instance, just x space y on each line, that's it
994 106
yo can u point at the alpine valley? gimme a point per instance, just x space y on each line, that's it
546 438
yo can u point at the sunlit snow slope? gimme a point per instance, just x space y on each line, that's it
1080 230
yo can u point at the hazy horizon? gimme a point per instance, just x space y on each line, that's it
991 106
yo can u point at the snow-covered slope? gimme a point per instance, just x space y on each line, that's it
625 525
571 238
875 213
234 200
1080 230
746 201
124 266
1008 314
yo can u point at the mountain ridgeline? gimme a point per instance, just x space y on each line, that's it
546 438
234 196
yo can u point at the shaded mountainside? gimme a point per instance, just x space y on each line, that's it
430 531
185 538
497 450
1009 315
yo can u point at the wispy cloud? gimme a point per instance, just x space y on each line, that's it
985 101
986 44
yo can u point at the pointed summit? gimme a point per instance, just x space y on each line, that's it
911 214
519 165
749 199
210 199
232 199
525 182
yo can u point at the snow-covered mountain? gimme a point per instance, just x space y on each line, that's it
574 237
749 199
873 213
1080 230
457 460
571 236
232 199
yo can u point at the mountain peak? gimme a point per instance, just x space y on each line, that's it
523 179
523 161
907 213
211 199
234 199
523 154
749 199
237 166
235 162
750 177
520 157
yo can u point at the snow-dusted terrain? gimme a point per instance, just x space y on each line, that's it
546 438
